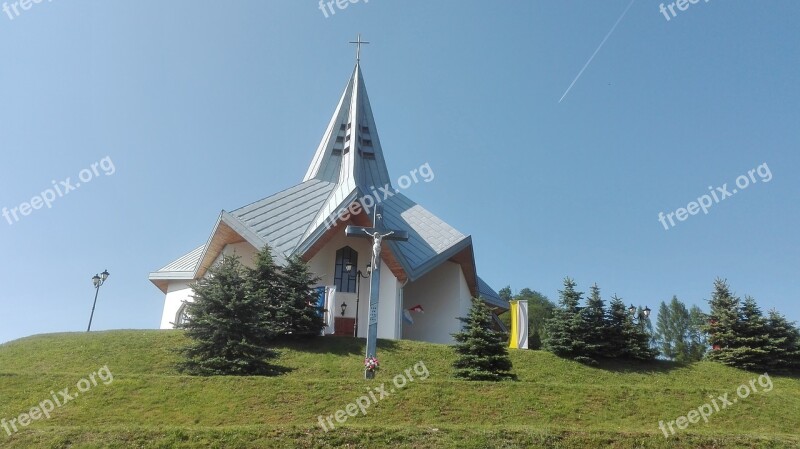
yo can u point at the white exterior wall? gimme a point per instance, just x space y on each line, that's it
177 293
323 264
245 251
445 296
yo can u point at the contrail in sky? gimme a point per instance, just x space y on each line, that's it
598 49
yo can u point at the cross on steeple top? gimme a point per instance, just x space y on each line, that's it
358 43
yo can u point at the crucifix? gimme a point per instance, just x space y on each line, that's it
358 43
377 233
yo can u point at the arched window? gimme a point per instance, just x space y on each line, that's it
181 317
344 281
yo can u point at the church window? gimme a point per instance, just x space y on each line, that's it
344 281
181 317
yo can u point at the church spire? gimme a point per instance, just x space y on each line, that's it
350 152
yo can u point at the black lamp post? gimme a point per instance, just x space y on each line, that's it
642 316
98 280
348 268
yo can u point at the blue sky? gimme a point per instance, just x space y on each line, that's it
203 106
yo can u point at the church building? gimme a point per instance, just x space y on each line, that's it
426 282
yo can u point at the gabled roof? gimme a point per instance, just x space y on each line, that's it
347 166
282 219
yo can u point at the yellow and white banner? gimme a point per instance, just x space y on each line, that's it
519 325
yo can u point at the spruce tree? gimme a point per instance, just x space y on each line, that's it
225 326
299 309
595 328
785 340
263 285
481 351
619 329
564 329
723 324
753 346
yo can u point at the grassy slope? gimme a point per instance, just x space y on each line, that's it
555 403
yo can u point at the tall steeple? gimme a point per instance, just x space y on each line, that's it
350 152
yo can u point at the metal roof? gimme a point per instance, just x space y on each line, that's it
490 296
282 219
187 262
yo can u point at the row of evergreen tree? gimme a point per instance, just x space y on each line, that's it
741 336
237 312
588 333
735 332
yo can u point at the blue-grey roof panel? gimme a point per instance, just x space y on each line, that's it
490 296
283 218
429 236
187 262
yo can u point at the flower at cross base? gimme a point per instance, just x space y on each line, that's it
371 363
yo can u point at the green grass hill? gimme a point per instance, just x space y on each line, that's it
554 403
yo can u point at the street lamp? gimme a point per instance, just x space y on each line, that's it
344 307
644 314
348 268
98 281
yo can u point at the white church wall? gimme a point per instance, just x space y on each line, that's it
177 293
323 264
444 295
244 250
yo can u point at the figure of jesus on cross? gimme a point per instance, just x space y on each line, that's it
377 233
377 238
